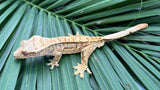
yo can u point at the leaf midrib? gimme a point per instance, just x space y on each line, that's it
59 16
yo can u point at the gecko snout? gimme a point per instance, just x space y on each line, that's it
18 54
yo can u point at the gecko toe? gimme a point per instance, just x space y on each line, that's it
49 64
57 65
89 71
82 75
78 64
76 73
75 67
51 67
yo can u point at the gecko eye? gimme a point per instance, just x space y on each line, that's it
24 53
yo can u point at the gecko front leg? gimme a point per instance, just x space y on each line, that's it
85 53
55 60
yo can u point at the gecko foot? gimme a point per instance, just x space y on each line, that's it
53 63
80 70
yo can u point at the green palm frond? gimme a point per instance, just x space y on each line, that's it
132 62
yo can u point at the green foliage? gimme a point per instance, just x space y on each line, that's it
120 64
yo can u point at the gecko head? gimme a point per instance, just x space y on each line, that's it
26 50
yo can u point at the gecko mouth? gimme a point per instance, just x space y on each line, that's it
23 54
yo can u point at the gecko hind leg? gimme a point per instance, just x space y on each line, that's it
85 53
55 60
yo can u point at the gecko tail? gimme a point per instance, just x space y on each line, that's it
125 32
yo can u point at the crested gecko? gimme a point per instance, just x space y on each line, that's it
40 46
